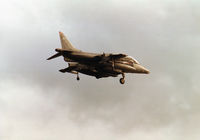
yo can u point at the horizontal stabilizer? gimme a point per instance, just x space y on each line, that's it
54 56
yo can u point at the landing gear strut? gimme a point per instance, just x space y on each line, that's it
113 64
77 78
122 80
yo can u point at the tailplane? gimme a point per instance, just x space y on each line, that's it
54 56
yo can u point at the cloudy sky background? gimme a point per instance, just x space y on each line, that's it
37 102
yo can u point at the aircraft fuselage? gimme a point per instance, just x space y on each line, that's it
95 64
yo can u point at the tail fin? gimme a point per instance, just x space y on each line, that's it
66 45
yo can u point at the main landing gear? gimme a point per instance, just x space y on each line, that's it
122 80
77 78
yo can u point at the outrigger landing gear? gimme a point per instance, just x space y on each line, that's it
122 80
77 78
113 64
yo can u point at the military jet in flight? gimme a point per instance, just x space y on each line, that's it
95 64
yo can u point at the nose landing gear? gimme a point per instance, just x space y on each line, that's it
77 78
122 80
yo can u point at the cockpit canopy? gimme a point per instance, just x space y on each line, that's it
130 58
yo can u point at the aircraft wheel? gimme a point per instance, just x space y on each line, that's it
122 80
77 78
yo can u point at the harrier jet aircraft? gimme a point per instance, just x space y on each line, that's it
94 64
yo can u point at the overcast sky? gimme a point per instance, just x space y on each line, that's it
39 103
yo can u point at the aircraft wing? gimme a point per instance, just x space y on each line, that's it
85 57
116 56
70 69
109 57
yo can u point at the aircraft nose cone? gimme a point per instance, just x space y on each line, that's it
146 71
142 69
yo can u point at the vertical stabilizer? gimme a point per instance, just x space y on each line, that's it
66 45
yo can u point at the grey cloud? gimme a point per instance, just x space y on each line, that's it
162 36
